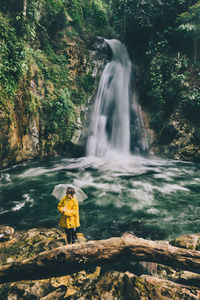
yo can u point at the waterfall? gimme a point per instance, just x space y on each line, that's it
110 124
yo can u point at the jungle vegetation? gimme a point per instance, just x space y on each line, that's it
162 38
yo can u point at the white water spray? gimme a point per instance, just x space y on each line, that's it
110 125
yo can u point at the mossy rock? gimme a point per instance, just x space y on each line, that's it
188 241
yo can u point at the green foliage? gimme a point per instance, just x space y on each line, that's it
34 60
10 6
85 89
54 17
41 20
137 21
189 25
190 94
89 15
143 12
161 87
59 116
171 75
11 58
96 12
190 20
87 83
147 12
170 82
28 20
56 69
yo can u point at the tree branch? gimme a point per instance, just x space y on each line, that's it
74 258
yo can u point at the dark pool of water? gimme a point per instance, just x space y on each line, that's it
153 198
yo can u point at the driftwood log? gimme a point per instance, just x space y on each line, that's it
74 258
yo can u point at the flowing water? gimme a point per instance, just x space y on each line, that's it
110 125
117 124
154 198
151 197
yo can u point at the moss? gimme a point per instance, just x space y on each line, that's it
140 284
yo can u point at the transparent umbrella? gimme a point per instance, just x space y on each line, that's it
59 192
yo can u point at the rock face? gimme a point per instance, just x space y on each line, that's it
28 128
179 139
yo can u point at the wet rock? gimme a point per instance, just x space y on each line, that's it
57 294
107 287
30 289
188 241
24 244
47 289
96 283
117 285
168 133
147 268
179 139
149 287
6 233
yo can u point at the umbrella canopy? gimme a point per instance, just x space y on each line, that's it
59 192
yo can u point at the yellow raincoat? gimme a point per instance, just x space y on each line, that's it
70 218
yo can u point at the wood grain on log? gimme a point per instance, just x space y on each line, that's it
74 258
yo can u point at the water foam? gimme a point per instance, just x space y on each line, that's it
20 205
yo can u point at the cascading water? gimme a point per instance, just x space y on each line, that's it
110 124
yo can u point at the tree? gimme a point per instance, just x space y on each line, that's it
74 258
190 25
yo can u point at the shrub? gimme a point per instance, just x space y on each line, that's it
59 116
11 57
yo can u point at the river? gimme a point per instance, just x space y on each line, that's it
148 196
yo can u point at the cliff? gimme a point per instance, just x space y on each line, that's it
48 76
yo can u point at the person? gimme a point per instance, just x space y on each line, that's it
69 219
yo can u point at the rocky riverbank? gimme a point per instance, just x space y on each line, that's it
133 281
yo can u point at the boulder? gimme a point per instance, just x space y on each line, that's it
95 283
6 233
188 241
148 287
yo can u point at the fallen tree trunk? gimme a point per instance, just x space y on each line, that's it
74 258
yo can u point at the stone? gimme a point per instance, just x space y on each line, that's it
148 287
188 241
109 286
29 289
179 139
6 233
95 283
58 294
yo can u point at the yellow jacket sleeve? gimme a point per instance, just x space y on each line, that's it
61 205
